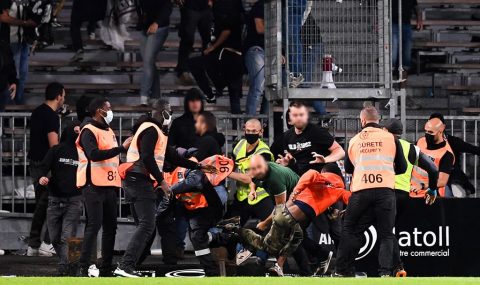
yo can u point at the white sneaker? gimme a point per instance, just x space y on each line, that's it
32 251
276 270
242 256
125 273
144 101
93 271
46 249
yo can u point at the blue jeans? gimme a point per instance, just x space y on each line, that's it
313 56
151 45
407 43
20 55
295 15
255 63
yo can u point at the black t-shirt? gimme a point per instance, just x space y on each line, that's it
42 122
196 5
408 7
228 17
313 139
253 38
5 28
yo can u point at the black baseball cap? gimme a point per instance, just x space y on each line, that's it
393 126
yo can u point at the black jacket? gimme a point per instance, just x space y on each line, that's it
62 161
157 11
209 144
182 132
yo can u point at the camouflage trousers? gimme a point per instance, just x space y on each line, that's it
284 236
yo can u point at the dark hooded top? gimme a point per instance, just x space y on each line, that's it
182 132
62 161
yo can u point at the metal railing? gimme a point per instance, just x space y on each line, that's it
16 189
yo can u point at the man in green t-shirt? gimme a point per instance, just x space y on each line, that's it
286 234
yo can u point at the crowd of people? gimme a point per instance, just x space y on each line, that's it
174 179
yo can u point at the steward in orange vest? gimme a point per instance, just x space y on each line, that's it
434 145
374 157
97 177
144 166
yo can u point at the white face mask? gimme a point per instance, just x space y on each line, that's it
167 118
109 117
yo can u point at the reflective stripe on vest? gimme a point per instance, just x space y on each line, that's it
243 164
159 152
420 176
402 181
372 152
102 173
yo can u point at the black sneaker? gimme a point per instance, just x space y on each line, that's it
82 271
229 224
276 270
324 265
125 272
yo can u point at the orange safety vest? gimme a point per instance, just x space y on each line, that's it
372 153
133 153
321 190
196 200
102 173
419 181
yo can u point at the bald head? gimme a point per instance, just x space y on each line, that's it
369 114
253 124
434 125
258 166
435 128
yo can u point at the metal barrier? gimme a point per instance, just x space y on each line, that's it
16 189
356 34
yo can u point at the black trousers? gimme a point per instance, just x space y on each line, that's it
140 194
41 204
190 21
76 21
227 72
259 211
166 229
402 198
101 206
199 222
366 207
